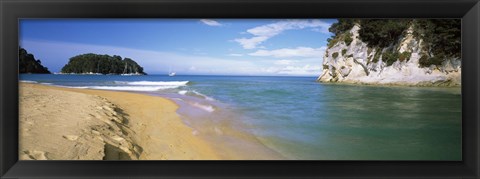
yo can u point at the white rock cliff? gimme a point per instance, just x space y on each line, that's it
357 66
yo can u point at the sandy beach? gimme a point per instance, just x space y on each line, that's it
79 124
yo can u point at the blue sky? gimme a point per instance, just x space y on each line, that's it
293 47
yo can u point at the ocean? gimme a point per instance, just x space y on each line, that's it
299 118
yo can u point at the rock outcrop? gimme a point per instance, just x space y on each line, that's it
356 62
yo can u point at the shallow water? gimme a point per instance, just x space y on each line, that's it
302 119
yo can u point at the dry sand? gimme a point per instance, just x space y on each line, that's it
67 124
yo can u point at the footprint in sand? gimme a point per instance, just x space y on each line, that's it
117 138
108 108
95 132
70 137
34 155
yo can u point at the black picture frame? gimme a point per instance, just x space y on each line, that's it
12 10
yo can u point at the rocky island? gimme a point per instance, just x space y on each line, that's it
420 52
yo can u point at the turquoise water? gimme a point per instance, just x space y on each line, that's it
302 119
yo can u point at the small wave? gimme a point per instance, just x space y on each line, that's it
154 83
79 87
28 81
207 108
128 88
195 93
183 92
204 96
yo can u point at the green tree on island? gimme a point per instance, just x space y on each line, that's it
104 64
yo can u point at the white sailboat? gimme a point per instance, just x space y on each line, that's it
170 73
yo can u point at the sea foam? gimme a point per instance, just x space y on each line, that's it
204 96
196 93
28 81
154 83
182 92
132 88
141 85
207 108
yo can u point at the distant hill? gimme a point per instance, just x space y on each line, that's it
102 64
28 64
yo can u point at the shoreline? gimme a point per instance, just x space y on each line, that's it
156 131
149 122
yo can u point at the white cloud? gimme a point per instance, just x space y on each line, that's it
264 32
210 22
306 70
321 30
287 52
278 27
235 55
284 62
251 43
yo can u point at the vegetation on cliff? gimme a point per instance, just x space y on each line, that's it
28 64
441 37
102 64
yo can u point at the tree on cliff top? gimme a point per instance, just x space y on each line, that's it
342 26
382 32
28 64
442 37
